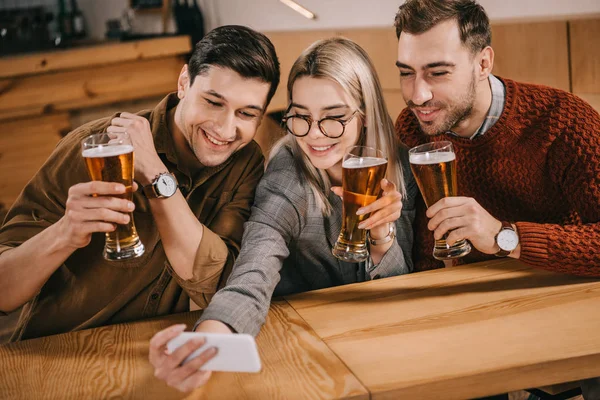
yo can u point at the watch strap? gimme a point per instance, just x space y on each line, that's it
150 190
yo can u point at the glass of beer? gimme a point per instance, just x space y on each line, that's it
434 168
363 168
109 158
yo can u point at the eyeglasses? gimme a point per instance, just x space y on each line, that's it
299 125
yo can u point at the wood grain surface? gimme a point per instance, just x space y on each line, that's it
461 332
84 57
534 52
67 90
585 56
25 144
112 362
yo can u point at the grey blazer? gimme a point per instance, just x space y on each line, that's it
286 247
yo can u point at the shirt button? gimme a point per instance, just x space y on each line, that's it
154 296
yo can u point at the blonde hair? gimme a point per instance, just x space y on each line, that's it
344 62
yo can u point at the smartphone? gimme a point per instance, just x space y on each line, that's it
236 352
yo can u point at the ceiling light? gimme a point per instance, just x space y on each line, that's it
298 8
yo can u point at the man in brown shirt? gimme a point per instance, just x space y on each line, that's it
51 243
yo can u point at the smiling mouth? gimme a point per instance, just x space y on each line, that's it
321 148
215 141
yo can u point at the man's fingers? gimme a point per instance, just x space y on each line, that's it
116 129
444 214
445 203
100 215
128 115
119 121
112 203
456 235
96 188
448 225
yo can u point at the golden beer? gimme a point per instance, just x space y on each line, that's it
113 162
434 168
435 175
361 182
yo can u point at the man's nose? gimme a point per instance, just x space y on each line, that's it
225 127
422 92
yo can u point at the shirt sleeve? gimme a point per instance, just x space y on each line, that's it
276 219
221 238
574 164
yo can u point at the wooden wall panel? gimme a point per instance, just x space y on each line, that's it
382 47
24 146
585 60
532 52
394 102
38 94
289 45
93 55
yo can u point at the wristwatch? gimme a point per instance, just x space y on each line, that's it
507 239
388 238
162 187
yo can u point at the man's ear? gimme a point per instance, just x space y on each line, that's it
183 82
486 63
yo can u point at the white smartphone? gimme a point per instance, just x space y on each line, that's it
236 352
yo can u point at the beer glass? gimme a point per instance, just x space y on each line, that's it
109 158
363 168
434 168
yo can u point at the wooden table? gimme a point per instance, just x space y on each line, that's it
461 332
112 362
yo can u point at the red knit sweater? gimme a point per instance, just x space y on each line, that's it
538 167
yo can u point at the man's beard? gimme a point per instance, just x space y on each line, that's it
457 112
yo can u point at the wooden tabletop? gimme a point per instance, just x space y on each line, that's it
112 362
461 332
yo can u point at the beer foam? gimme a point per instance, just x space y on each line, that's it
431 158
363 162
107 151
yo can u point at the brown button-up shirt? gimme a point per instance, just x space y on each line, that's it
88 291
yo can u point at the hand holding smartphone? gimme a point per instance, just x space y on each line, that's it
235 352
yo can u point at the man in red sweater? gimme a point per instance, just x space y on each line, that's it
528 156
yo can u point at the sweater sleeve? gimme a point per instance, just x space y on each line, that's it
275 220
574 165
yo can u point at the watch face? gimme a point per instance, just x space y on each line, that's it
166 186
507 239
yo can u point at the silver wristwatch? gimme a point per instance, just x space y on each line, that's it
388 238
162 187
506 239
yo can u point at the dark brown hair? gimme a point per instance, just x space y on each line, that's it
418 16
241 49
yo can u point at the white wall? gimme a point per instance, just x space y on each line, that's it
272 15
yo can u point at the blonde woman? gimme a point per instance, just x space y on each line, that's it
335 101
